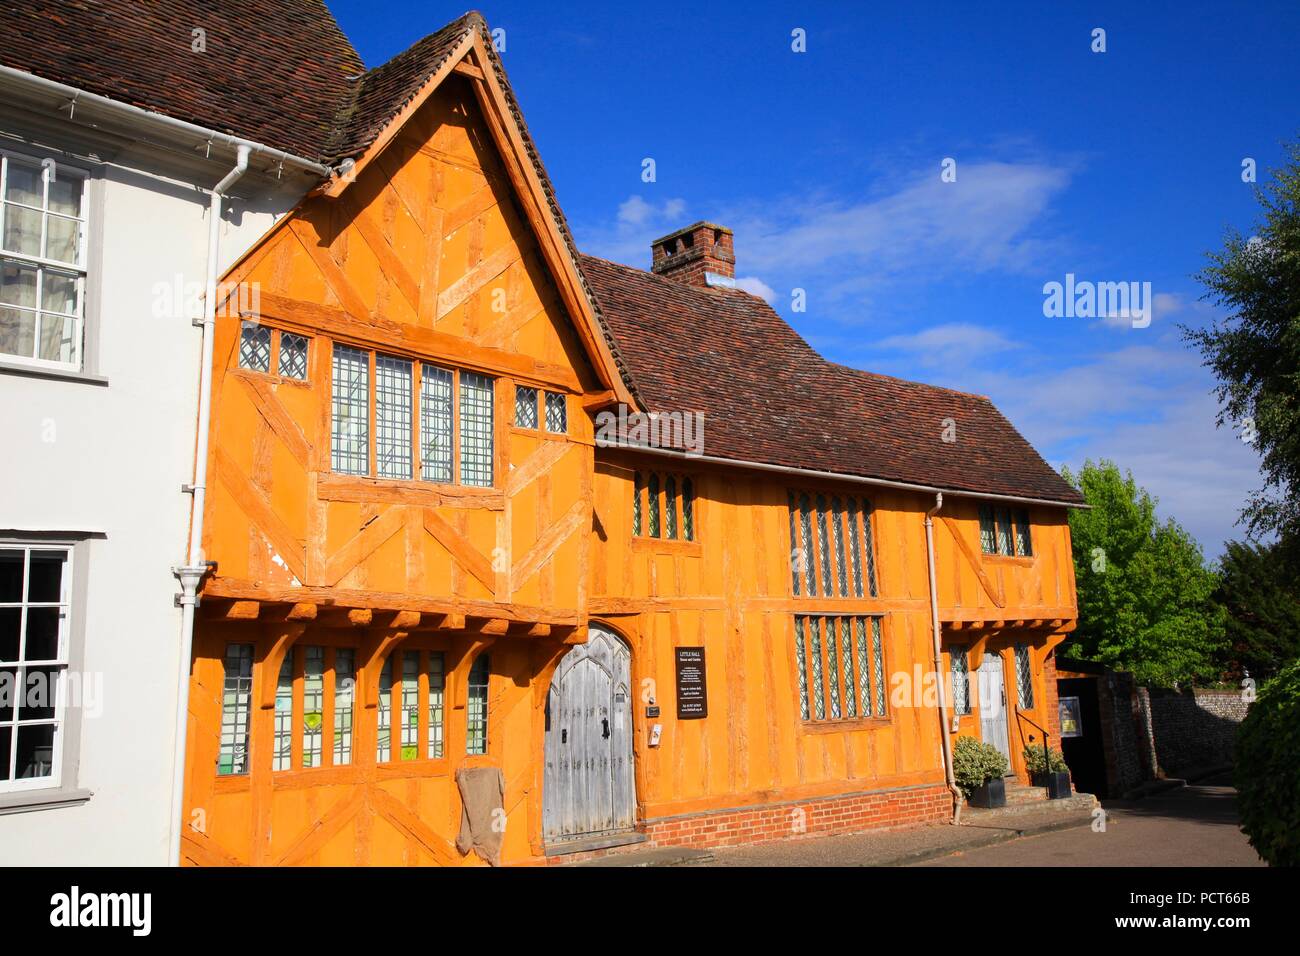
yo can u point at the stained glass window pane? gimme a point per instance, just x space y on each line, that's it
313 705
410 705
350 412
435 424
476 430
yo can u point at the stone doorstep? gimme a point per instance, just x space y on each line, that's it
1082 802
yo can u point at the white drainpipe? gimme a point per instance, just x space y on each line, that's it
191 573
938 662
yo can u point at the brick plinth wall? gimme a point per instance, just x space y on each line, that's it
767 823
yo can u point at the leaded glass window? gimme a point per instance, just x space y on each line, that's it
557 413
841 670
410 713
476 707
282 754
293 355
392 417
1006 544
835 534
345 686
350 412
236 706
688 509
1024 677
960 680
435 424
476 429
254 347
663 505
437 684
1024 546
670 507
525 407
988 530
652 500
313 705
638 485
384 717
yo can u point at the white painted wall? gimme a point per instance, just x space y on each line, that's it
118 458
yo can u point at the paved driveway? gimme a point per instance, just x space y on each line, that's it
1192 826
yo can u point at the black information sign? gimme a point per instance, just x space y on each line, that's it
692 695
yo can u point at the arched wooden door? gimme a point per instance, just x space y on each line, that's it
588 780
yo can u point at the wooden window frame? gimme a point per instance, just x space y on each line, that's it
994 513
877 691
272 374
417 385
643 508
832 546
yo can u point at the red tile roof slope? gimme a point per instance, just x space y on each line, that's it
274 71
768 397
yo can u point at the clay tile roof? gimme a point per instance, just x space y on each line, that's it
382 92
768 397
274 71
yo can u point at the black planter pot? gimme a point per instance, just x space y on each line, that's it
992 794
1057 784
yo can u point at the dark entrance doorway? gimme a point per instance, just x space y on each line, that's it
1085 754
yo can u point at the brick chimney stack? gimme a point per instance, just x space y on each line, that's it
700 255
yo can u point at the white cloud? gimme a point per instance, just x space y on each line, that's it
957 343
756 286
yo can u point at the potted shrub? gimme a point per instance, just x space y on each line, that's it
1048 769
979 769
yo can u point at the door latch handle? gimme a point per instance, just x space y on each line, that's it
564 735
605 722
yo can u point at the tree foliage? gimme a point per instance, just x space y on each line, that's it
1145 594
1259 587
1255 351
1267 770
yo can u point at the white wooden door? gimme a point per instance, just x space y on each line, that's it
993 704
588 784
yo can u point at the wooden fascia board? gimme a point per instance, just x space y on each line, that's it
334 188
554 249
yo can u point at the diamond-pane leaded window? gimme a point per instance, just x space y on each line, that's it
819 528
255 347
840 660
384 716
435 424
960 680
1024 546
988 531
638 485
525 407
392 417
557 413
236 704
670 507
1024 677
350 412
475 429
688 509
1006 545
652 499
410 712
293 355
663 505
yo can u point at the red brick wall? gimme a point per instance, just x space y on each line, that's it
1052 701
768 823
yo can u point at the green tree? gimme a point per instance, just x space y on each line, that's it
1259 586
1267 773
1145 594
1255 351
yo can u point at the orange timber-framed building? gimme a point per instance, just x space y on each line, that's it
427 560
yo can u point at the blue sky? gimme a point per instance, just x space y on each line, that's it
1117 166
